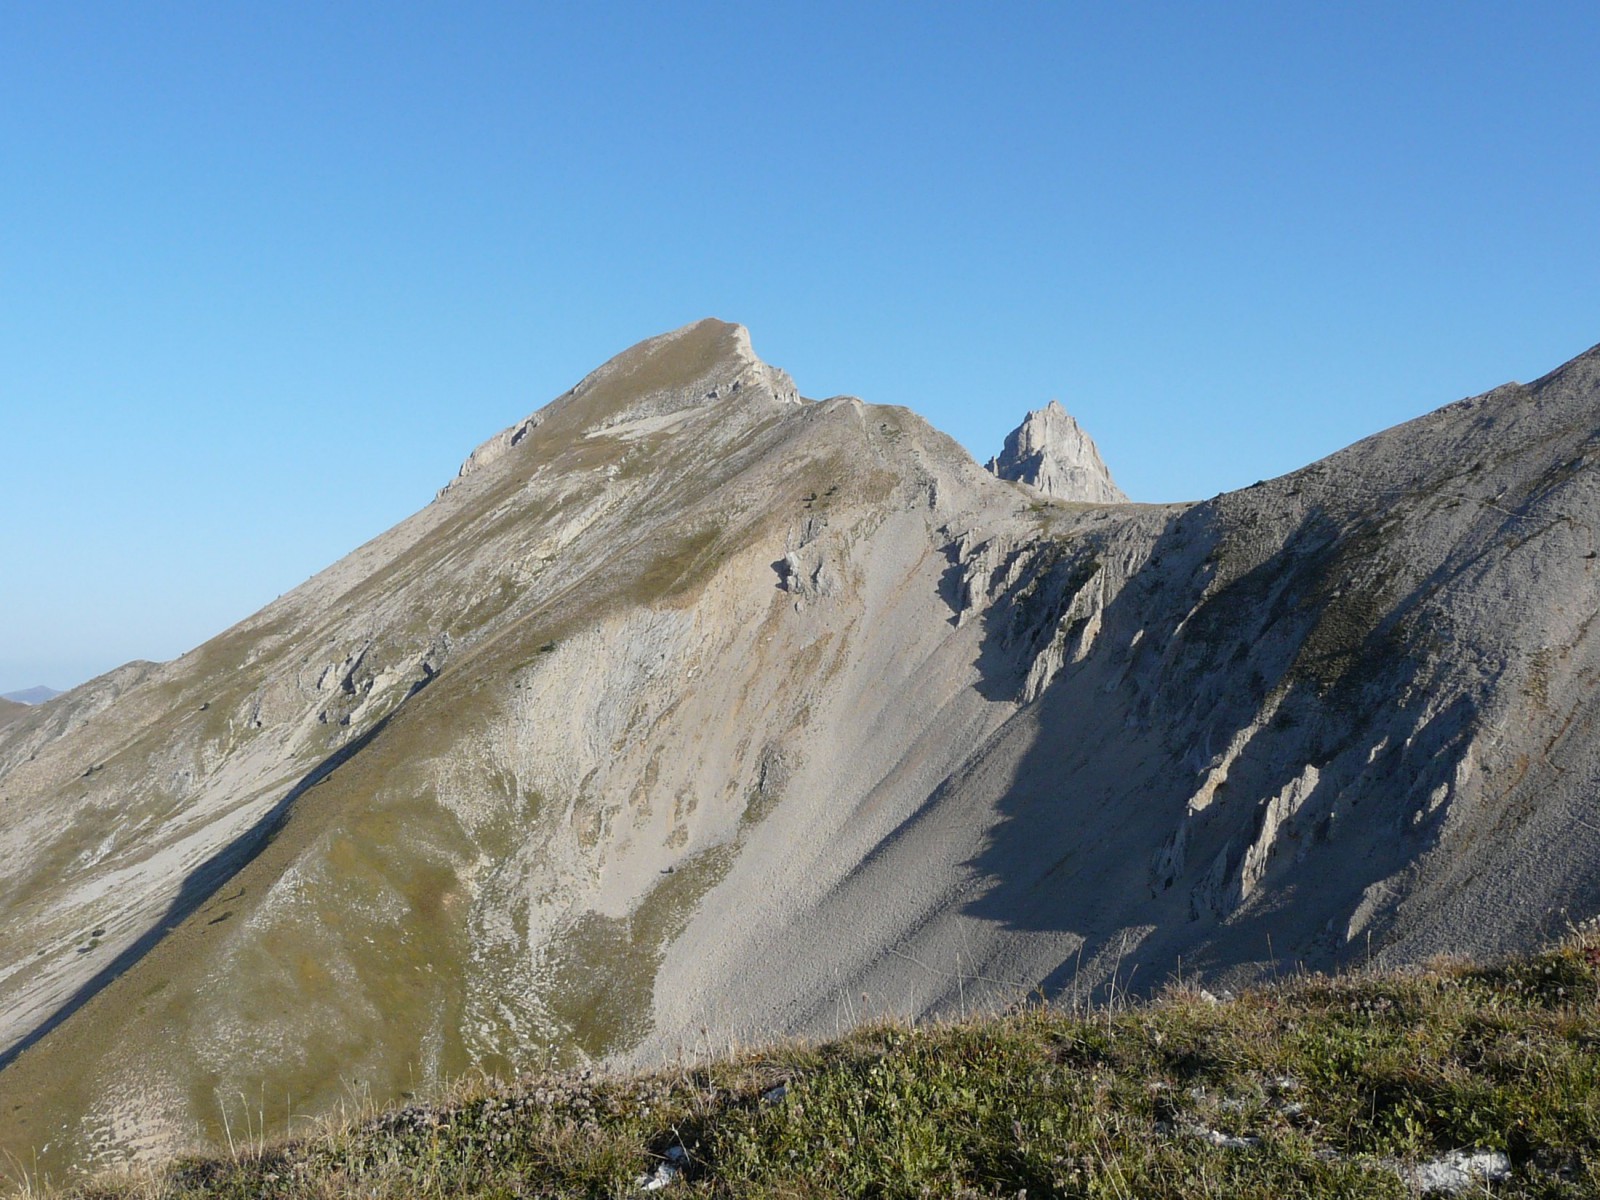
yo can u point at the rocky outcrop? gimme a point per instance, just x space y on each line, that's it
1050 451
494 449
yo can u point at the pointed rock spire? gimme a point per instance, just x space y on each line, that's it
1050 451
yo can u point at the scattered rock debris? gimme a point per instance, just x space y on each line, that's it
1453 1173
666 1171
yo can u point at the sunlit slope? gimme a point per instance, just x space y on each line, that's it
446 804
10 710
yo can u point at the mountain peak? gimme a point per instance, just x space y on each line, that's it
706 361
573 767
1050 451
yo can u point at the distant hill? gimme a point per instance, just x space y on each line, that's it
33 695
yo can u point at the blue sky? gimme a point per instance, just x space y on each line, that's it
269 272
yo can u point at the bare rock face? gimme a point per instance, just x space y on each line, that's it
1050 451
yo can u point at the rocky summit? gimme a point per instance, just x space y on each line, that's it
1051 452
693 711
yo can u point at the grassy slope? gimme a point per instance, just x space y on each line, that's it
1339 1079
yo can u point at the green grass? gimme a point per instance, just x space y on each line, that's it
677 567
607 966
1339 1079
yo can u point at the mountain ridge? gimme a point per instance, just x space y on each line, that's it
689 705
